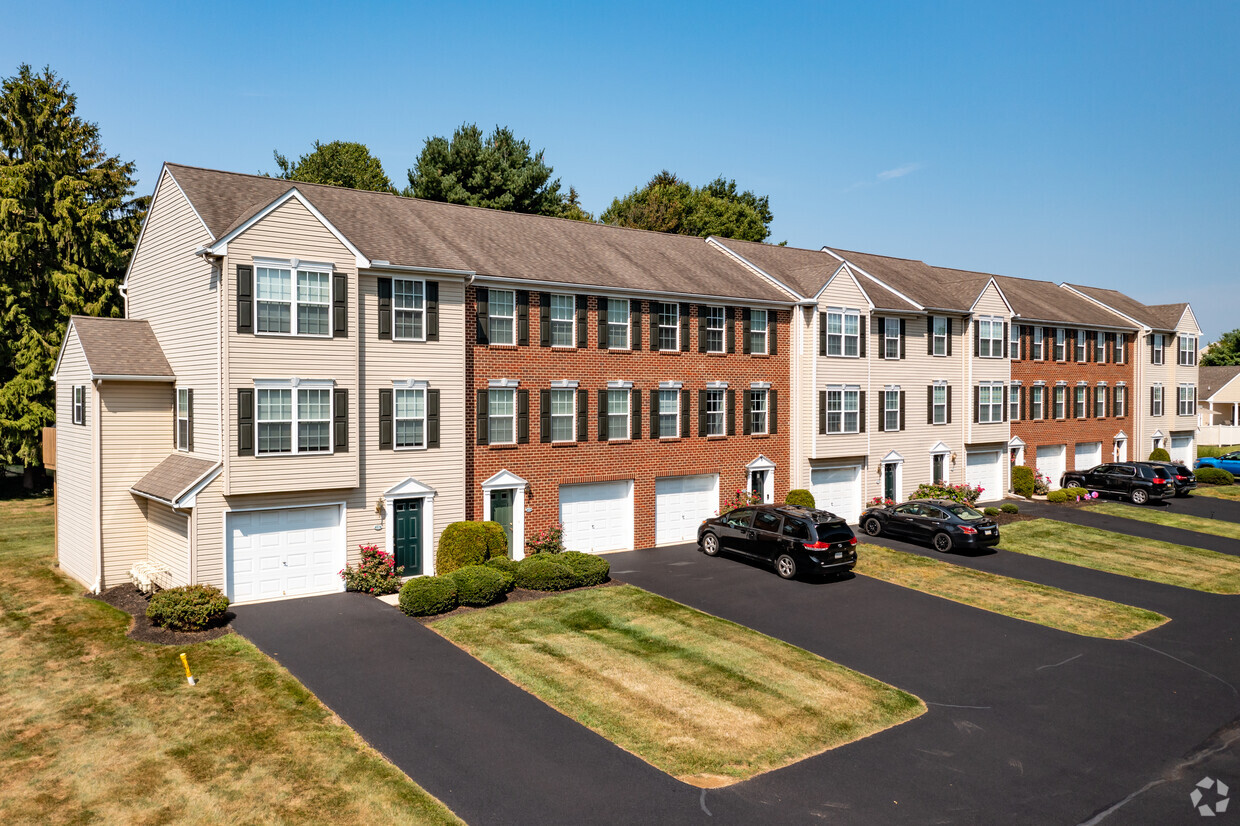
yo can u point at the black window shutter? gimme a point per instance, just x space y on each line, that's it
385 308
929 404
523 417
523 318
654 414
1151 401
977 404
1004 344
603 432
483 317
1007 401
245 299
746 413
635 413
772 411
745 330
432 418
822 334
729 412
880 332
544 319
340 420
772 332
903 337
481 422
656 307
684 328
582 415
977 338
602 322
862 335
822 411
950 326
701 413
861 411
729 326
583 335
635 324
340 305
902 406
544 416
930 335
189 437
432 311
949 404
245 422
701 328
684 413
385 419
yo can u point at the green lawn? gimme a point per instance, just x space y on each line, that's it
1130 556
96 727
1215 450
1029 601
705 700
1218 491
1218 527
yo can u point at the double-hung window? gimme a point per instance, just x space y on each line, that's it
938 404
1187 392
713 328
843 333
1060 393
843 404
669 326
669 414
502 309
715 412
1156 400
990 338
891 408
1060 344
563 412
1156 354
617 323
183 418
618 413
79 404
1014 391
938 332
408 309
1080 345
757 410
563 312
1081 407
410 417
1121 341
1014 338
1188 351
273 290
1038 343
1036 401
502 415
302 293
891 338
1100 401
1121 394
758 321
990 403
1100 347
294 419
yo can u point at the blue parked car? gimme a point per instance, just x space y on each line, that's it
1228 461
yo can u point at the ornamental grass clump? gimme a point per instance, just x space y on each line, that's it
187 608
377 574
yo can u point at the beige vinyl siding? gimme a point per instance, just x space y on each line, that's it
1187 374
178 294
1151 374
167 542
135 435
76 466
804 365
290 231
987 369
841 292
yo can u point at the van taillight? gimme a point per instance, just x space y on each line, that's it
816 546
852 540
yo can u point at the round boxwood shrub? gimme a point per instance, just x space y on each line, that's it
1022 481
187 608
589 568
505 566
497 540
1075 492
464 543
1215 476
1057 496
991 511
1009 507
425 596
478 585
540 573
1158 454
799 496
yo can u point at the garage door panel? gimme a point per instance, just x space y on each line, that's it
284 553
597 516
1180 449
1052 462
681 503
984 468
837 490
1087 455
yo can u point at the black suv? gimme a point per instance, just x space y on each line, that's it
1185 480
1138 481
790 537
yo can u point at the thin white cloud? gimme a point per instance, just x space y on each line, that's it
899 171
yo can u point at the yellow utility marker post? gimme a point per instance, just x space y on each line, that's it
188 676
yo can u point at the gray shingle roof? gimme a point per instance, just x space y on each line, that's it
121 347
173 477
1212 379
414 232
1157 317
928 286
1046 301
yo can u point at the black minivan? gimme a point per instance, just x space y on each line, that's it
792 538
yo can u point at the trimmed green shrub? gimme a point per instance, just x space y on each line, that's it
466 543
1215 476
478 585
801 497
1075 492
1057 496
187 608
497 540
506 566
1159 455
588 568
1022 480
991 511
425 596
541 572
1009 507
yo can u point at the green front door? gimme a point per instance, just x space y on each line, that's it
501 512
408 535
889 481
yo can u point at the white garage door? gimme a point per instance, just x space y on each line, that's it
837 489
1088 455
289 552
597 516
1052 462
680 505
1182 449
984 468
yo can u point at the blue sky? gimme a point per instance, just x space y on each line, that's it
1080 142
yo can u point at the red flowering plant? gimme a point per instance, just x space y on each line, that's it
964 494
377 574
547 541
742 499
880 502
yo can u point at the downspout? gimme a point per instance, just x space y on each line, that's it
95 435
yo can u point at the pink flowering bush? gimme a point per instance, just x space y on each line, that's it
880 502
742 499
377 574
547 541
964 494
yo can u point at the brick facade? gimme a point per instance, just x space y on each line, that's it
545 466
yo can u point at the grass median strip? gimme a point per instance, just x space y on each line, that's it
1125 555
1168 518
1218 491
705 700
1029 601
95 726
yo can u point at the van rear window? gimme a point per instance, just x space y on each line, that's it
837 531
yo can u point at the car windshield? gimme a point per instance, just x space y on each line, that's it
837 531
966 513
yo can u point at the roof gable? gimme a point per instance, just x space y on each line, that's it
121 348
1214 380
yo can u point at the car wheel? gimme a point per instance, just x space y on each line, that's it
710 545
943 543
785 566
873 527
1140 497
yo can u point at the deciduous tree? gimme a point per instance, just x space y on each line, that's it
339 163
1224 352
668 204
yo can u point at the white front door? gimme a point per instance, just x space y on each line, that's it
1182 449
680 505
985 469
597 516
1052 462
1088 455
284 552
838 490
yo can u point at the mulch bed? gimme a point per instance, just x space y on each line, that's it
129 599
515 595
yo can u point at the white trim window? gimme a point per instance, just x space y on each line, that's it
891 408
502 416
938 331
1188 350
1187 392
1100 346
408 309
1080 406
287 427
409 418
669 326
1156 400
938 403
618 413
1121 342
757 411
1081 338
1038 344
758 321
843 406
1061 344
1121 400
669 414
1157 355
990 402
1100 401
1014 342
843 333
183 417
1061 393
713 329
990 338
563 414
282 294
617 324
1014 391
502 316
891 338
563 314
714 412
1037 398
79 404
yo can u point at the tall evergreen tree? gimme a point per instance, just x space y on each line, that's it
339 163
668 204
68 223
